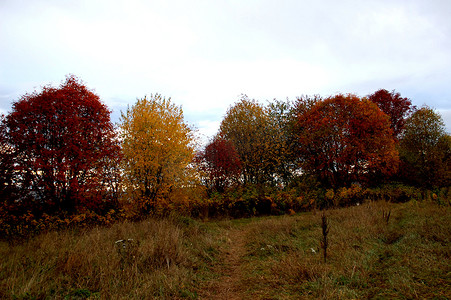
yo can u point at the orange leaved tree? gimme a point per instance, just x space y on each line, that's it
345 139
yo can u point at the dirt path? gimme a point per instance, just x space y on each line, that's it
229 285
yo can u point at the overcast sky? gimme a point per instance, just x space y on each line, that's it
204 54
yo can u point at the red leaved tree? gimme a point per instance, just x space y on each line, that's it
395 106
344 139
63 146
220 164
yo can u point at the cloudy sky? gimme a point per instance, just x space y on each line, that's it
204 54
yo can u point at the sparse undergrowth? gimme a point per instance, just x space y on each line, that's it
368 256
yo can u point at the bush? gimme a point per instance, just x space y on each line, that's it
396 193
345 196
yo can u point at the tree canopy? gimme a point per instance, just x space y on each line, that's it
157 146
282 157
245 125
345 139
425 150
396 107
220 164
61 144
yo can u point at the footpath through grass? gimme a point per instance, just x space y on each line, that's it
376 250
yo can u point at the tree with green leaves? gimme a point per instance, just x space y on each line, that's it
282 141
245 125
425 150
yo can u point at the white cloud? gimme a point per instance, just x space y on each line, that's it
204 54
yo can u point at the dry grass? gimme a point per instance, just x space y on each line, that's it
280 258
367 258
163 259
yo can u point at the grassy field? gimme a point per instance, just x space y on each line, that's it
370 255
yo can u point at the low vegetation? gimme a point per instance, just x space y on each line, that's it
368 256
155 258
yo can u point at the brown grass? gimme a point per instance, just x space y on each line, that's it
407 258
164 260
256 258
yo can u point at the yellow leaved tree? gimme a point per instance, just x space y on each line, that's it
158 147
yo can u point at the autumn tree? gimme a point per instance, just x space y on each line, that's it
245 125
157 146
281 140
345 139
425 150
220 164
62 144
396 107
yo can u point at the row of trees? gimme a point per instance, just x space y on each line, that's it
61 152
339 140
